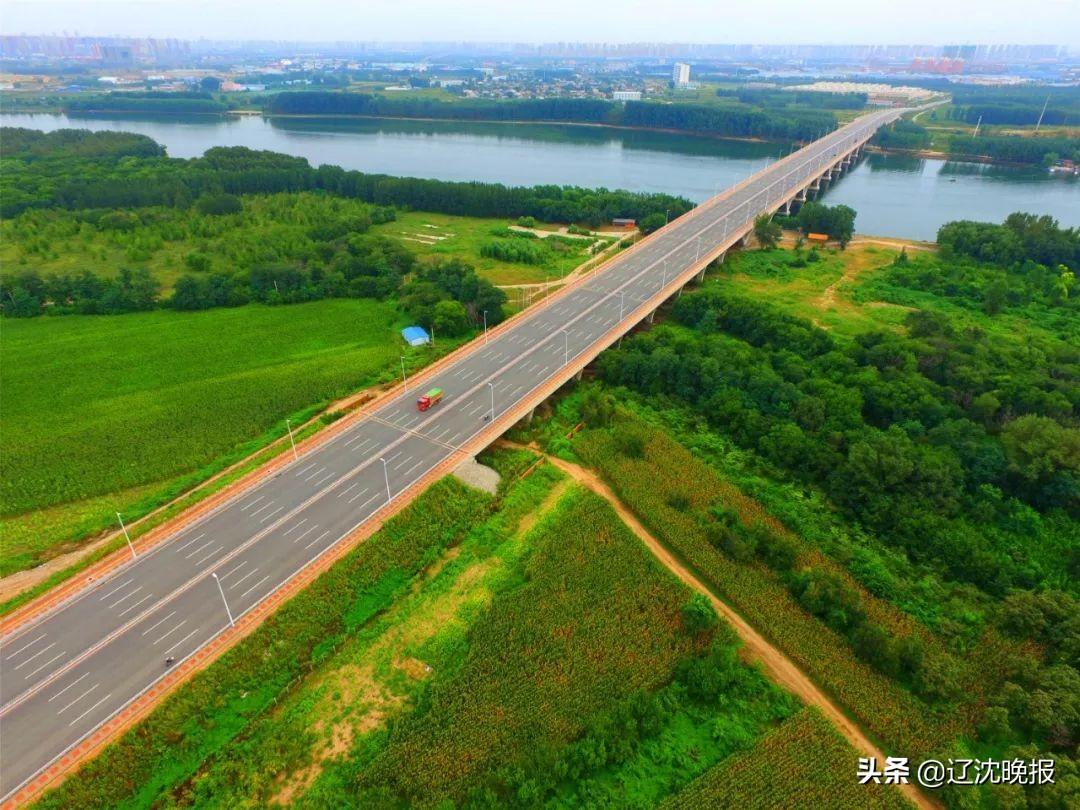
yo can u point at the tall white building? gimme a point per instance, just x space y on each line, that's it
680 75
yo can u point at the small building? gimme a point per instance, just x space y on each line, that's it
626 95
415 336
820 238
624 222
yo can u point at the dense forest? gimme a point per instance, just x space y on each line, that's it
956 448
120 170
150 101
1019 106
744 120
772 98
1038 150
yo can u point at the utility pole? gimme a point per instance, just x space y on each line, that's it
386 475
223 599
404 379
126 536
1039 122
485 326
978 124
288 426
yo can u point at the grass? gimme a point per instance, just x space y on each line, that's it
802 763
97 409
440 236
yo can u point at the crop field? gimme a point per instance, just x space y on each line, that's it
802 763
105 406
675 494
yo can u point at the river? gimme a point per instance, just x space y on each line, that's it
894 195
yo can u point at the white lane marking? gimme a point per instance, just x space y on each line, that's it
208 555
413 467
81 716
317 539
26 646
122 585
294 527
126 596
271 515
365 503
262 508
42 651
80 697
181 641
162 638
73 683
191 554
403 461
232 571
130 608
324 479
252 502
253 587
398 453
52 660
305 534
250 573
154 626
194 539
317 472
359 494
305 469
347 490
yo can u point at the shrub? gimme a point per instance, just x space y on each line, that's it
698 614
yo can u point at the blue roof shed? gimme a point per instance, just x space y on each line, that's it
415 336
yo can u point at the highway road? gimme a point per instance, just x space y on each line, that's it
66 673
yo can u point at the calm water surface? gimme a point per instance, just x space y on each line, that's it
894 195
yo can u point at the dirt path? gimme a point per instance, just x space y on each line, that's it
775 664
858 267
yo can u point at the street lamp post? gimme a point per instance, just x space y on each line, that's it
223 599
622 304
288 426
566 347
485 326
491 386
126 536
404 379
386 475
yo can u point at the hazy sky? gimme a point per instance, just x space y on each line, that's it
757 21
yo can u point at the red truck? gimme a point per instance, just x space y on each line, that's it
432 397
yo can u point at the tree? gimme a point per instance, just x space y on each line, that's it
699 616
766 231
653 222
210 84
450 318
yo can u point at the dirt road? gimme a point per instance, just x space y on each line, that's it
757 649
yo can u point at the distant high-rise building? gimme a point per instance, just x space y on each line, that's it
680 74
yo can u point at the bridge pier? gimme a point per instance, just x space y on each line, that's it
651 316
580 373
529 416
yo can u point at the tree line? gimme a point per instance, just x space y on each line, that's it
57 179
733 121
150 101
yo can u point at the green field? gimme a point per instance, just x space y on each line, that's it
107 406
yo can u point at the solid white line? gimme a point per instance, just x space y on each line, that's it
295 526
199 536
152 627
24 646
126 596
73 683
253 587
271 515
181 641
30 675
130 608
317 539
42 651
123 584
80 697
81 716
162 638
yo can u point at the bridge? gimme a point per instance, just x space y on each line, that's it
88 659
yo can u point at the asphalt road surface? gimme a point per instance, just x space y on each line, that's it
65 674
